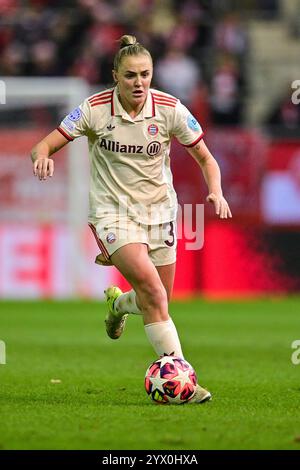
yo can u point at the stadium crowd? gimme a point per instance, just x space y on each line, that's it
199 49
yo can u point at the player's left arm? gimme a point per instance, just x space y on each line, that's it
212 176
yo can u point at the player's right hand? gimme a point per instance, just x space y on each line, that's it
221 205
43 167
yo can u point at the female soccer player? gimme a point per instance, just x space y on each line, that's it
132 200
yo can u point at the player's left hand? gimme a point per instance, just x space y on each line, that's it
221 205
43 167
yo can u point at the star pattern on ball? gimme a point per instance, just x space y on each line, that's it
183 377
170 379
174 400
158 382
166 360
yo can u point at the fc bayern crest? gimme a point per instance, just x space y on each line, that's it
111 237
153 129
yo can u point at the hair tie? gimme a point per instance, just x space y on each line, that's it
128 45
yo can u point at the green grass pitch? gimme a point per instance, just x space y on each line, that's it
240 350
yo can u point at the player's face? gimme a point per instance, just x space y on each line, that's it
134 79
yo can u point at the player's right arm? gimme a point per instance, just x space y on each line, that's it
43 166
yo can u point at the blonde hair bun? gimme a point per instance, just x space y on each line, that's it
127 40
129 46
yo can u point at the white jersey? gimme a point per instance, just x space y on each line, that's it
130 157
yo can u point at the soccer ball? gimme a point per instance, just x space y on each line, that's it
170 379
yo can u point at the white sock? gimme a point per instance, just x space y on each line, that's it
126 303
164 338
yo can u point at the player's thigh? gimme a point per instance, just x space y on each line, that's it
167 276
133 262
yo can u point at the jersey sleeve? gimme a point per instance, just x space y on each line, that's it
186 128
77 123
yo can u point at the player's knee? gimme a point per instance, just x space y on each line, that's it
154 295
159 297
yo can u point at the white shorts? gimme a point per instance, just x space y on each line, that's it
113 234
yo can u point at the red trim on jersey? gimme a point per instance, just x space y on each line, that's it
104 250
67 136
165 103
105 94
165 97
196 141
99 242
96 103
165 100
153 105
112 109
